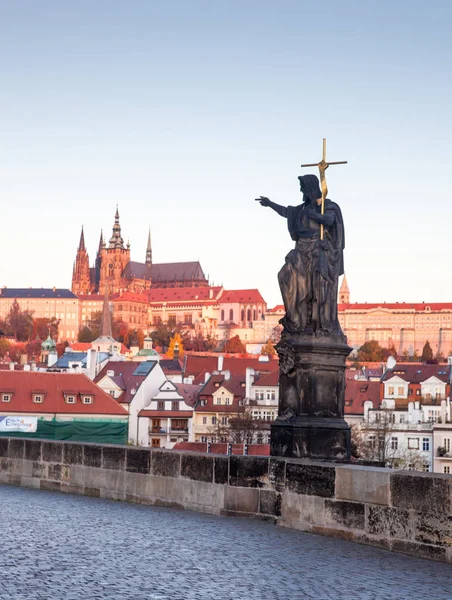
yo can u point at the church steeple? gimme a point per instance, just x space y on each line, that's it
344 292
105 330
101 241
149 250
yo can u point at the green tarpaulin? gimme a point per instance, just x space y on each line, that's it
102 432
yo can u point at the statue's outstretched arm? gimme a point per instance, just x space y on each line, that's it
281 210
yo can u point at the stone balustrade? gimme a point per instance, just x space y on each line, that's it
407 512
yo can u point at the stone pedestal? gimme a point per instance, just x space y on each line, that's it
310 421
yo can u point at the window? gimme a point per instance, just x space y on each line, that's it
218 400
175 405
425 467
172 319
188 319
204 420
400 391
394 443
222 315
418 392
248 315
155 443
413 443
446 470
402 419
6 397
37 398
446 444
112 393
242 315
214 420
390 390
231 314
203 438
87 400
160 405
425 444
227 401
224 420
70 399
373 441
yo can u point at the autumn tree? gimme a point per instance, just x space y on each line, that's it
371 351
5 347
427 353
85 335
33 349
175 342
161 336
42 327
268 349
19 322
234 346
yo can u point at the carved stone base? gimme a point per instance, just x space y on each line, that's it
318 438
310 422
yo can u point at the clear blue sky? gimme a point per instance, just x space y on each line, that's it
184 112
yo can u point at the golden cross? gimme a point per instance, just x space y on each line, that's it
323 166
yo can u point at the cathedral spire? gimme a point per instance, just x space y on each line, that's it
105 330
101 241
149 250
81 245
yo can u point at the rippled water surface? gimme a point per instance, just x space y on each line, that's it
57 546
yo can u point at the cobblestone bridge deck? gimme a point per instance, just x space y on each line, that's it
56 546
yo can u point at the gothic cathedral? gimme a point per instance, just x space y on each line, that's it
114 272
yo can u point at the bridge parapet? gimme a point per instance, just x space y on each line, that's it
407 512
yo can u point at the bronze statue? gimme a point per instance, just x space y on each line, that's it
309 279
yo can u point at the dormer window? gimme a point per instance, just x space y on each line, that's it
38 398
70 399
6 397
87 399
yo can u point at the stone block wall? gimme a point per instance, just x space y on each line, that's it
407 512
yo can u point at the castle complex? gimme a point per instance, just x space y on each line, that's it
114 272
404 325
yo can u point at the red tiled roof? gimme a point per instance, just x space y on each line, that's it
132 297
179 414
123 370
416 373
80 346
189 392
55 385
270 379
358 392
277 308
197 365
241 297
237 449
402 306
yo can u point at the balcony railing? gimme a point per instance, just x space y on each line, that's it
157 430
179 430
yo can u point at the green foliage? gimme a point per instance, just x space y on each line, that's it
234 346
161 336
85 335
19 322
427 353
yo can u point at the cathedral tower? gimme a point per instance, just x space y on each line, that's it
113 260
81 275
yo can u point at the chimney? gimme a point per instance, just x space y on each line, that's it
26 367
249 380
52 358
206 377
210 293
220 362
11 366
33 366
227 375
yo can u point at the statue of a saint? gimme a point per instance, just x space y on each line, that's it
309 278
